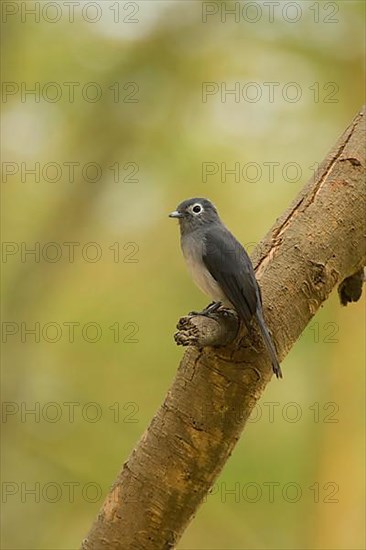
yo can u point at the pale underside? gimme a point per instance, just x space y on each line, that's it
193 253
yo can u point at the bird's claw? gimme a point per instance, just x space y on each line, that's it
211 308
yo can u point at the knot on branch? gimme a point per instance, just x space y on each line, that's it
350 289
212 329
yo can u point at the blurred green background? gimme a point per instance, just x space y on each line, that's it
122 86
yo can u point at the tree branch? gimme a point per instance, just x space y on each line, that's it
215 329
316 245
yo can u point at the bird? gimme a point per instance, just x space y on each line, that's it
221 267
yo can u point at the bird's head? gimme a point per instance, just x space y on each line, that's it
195 213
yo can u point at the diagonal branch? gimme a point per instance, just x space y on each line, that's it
317 244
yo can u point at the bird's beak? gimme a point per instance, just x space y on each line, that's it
175 214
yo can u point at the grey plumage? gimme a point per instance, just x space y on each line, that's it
220 266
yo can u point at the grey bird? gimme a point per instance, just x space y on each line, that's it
220 266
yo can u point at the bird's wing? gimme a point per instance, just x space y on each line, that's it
230 266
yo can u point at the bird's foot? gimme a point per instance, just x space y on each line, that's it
211 308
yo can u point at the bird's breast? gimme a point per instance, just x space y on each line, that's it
193 250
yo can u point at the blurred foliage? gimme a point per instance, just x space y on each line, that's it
165 136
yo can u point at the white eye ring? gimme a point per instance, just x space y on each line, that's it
197 208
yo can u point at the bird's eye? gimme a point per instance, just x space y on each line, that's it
197 208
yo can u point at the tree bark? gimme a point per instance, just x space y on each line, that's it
316 245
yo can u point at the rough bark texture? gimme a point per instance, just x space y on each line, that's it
314 246
216 329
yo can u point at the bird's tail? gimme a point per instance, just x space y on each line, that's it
269 344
